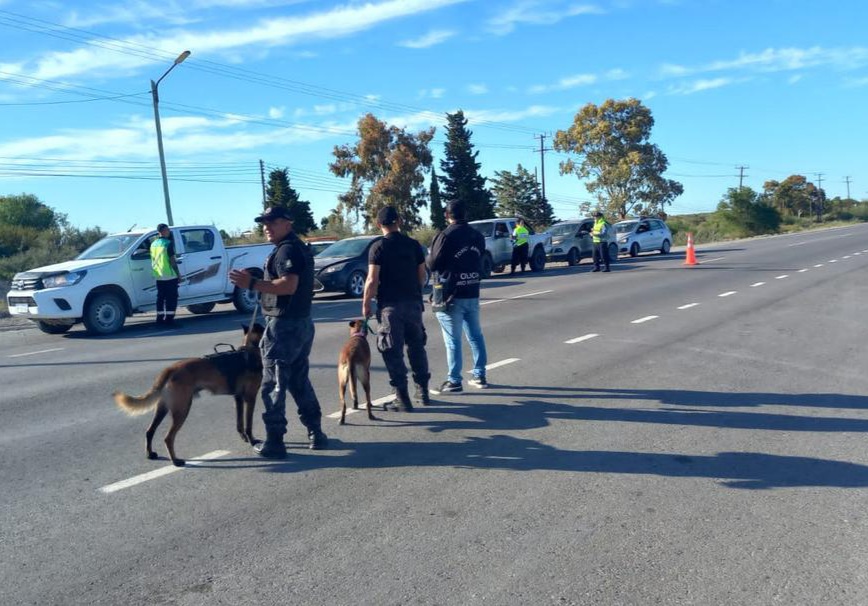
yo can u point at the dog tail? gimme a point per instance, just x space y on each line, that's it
133 405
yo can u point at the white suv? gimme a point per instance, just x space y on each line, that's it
643 235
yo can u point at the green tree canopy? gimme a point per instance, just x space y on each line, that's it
279 192
386 167
745 211
461 179
438 219
794 196
25 210
518 194
622 168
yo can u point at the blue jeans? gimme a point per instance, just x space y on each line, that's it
463 315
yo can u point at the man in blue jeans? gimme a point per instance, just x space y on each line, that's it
456 260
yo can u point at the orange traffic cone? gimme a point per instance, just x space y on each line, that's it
690 259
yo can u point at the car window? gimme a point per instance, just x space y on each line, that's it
659 225
643 227
587 226
352 247
197 240
110 247
483 228
500 229
626 227
564 229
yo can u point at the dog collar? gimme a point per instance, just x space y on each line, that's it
358 334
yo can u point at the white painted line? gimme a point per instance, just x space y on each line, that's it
363 405
833 260
688 306
797 244
158 473
711 260
865 251
801 271
493 301
755 284
728 293
782 277
846 256
818 265
531 294
33 353
857 254
582 338
645 319
502 362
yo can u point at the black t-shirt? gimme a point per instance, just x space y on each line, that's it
399 257
456 255
290 256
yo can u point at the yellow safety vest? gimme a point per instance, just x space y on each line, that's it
520 234
160 264
597 232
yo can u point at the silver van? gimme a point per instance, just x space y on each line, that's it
571 241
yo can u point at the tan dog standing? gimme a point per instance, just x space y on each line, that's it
354 362
237 373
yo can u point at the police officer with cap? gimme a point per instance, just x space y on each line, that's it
600 236
286 295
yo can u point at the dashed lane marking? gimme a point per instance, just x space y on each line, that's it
492 301
782 277
501 363
688 306
755 284
33 353
582 338
531 294
159 473
712 260
645 319
801 271
833 260
846 256
727 293
377 402
818 265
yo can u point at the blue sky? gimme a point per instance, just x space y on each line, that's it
779 86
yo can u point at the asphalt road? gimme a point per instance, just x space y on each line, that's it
705 446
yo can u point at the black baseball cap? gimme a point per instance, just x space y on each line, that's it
273 212
599 213
387 215
162 226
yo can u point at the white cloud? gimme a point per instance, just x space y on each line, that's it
432 38
276 113
565 83
795 78
855 82
697 86
477 89
777 60
102 57
534 12
616 74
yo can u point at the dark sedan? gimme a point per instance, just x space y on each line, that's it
343 266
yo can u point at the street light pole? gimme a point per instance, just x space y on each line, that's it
156 98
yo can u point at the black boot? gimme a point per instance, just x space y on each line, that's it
317 440
421 395
272 448
402 401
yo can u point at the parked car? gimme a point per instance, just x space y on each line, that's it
498 245
642 235
112 280
572 242
316 247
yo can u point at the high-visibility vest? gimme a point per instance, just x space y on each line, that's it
160 262
600 225
520 235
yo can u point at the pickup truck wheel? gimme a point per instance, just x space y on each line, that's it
201 308
356 284
613 252
573 257
53 329
664 250
538 259
634 249
244 300
487 266
105 314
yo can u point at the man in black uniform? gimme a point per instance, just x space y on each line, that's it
287 291
396 273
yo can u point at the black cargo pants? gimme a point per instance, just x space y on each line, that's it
401 325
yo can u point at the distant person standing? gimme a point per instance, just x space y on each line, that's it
520 237
456 260
165 270
396 273
600 236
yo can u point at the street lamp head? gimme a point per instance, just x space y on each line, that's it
182 56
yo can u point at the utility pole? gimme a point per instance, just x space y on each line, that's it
819 195
262 177
741 170
847 181
542 162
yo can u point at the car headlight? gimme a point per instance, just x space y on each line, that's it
623 238
333 268
556 242
67 279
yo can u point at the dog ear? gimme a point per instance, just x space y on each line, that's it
352 323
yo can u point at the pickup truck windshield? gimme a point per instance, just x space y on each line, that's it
566 229
110 247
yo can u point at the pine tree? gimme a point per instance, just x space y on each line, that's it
438 220
279 192
518 195
461 178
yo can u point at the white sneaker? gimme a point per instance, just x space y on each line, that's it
479 383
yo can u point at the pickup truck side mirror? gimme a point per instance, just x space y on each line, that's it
140 255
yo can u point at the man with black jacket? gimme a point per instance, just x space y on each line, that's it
456 257
396 273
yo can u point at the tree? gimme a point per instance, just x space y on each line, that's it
461 178
794 196
747 212
438 219
386 167
25 210
518 195
279 192
625 169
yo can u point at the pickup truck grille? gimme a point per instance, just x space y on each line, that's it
27 284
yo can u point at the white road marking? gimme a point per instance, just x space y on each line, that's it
801 271
846 256
728 293
711 260
501 363
857 254
818 265
531 294
688 306
158 473
33 353
833 260
493 301
645 319
582 338
377 402
782 277
797 244
755 284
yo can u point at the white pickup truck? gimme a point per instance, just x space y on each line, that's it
112 280
498 245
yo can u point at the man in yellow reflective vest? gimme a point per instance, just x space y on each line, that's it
600 236
165 270
520 237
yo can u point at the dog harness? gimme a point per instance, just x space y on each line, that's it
232 364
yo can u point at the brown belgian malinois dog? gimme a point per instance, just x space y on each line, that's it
237 372
354 362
